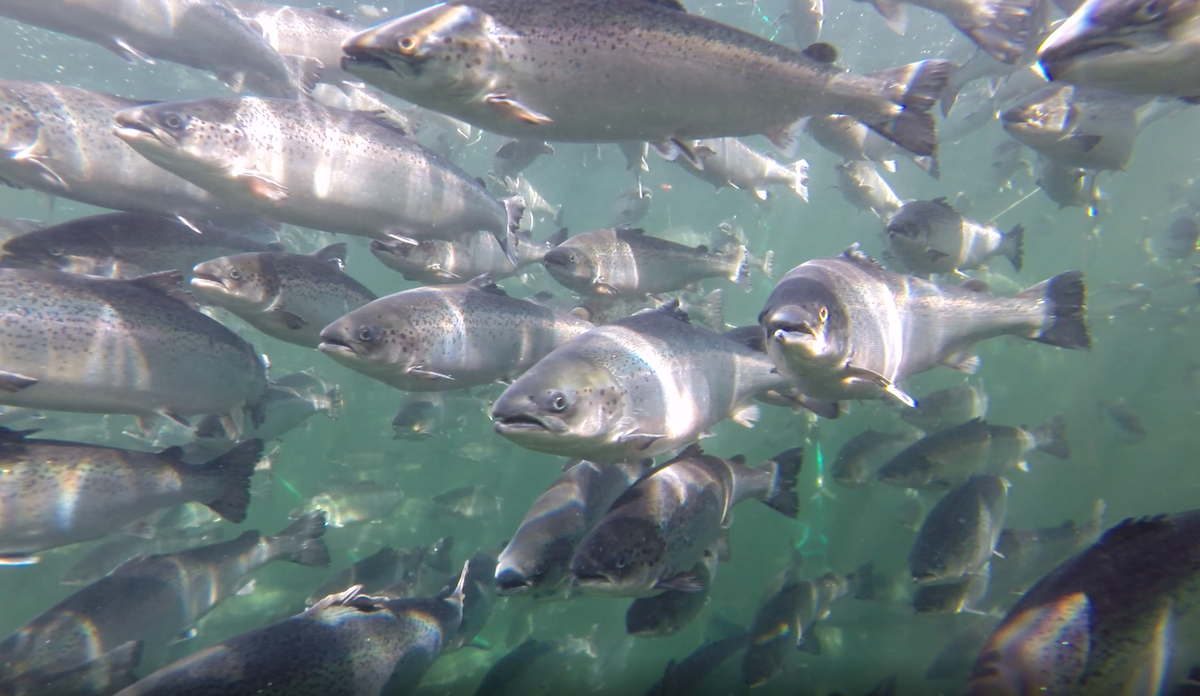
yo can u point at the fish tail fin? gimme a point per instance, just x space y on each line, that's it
862 581
305 73
929 165
1097 518
711 310
235 468
114 668
514 207
1004 37
782 496
949 95
1051 438
1013 246
739 269
1064 296
301 542
558 217
798 171
334 408
919 85
768 265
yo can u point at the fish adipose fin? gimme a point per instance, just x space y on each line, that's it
1064 297
920 84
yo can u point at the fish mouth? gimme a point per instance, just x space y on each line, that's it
782 331
133 127
523 422
362 59
511 582
592 580
925 578
206 281
335 348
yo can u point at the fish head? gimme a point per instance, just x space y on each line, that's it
372 339
199 140
241 281
1043 647
1124 45
403 256
58 248
570 265
906 470
532 563
444 52
416 420
1045 117
564 405
622 556
806 327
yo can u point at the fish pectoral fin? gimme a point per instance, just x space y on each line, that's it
963 361
935 255
402 239
184 635
262 186
18 559
293 321
684 582
893 14
824 409
747 415
865 376
44 169
602 288
571 463
418 371
175 417
639 440
12 382
673 149
515 109
440 272
141 529
1086 143
247 588
128 53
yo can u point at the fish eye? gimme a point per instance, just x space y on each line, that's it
55 251
558 402
573 258
173 120
823 314
366 333
1150 12
407 44
235 274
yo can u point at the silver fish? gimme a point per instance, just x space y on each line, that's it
730 162
344 645
804 18
959 535
635 156
535 204
1000 27
932 237
354 504
148 351
852 465
202 34
674 610
286 296
631 389
124 245
59 493
103 557
60 142
515 156
447 337
1095 624
503 66
107 674
537 559
299 33
627 261
631 205
155 599
313 166
1076 126
1068 186
947 407
657 530
825 330
441 262
864 188
469 502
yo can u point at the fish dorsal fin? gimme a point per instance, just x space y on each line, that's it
169 283
332 13
671 309
738 459
625 227
941 200
334 253
702 249
858 256
821 52
1131 530
692 451
481 181
8 435
486 284
171 454
669 4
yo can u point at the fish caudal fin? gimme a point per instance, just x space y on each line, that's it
1004 37
920 85
798 172
235 468
739 269
1051 438
862 581
301 542
711 310
768 265
334 407
514 208
1064 297
1012 245
783 497
929 165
